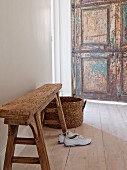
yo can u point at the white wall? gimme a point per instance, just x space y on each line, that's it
62 46
25 50
65 43
25 47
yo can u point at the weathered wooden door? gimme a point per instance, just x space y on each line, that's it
99 49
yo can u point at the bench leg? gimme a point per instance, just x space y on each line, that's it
36 127
12 134
61 114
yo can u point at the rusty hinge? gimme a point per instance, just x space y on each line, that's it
73 50
73 6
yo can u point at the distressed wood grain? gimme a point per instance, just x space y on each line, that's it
101 34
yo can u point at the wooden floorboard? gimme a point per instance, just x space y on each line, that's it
110 124
89 157
106 125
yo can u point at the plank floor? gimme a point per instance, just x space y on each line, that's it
106 125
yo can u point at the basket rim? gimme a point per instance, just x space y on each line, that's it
70 99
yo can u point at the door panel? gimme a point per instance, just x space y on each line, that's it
94 26
95 70
125 76
124 25
92 76
99 49
97 2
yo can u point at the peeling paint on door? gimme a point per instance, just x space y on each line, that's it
124 24
97 72
99 43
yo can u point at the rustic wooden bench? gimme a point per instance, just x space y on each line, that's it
28 110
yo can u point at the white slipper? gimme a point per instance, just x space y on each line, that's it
77 141
61 137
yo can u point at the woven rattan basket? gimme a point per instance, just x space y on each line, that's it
73 112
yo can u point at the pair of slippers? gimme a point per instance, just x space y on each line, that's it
73 139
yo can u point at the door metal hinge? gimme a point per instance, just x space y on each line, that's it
73 6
